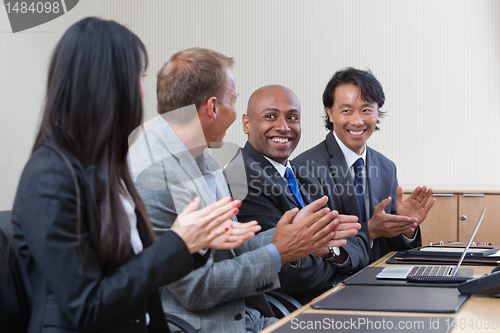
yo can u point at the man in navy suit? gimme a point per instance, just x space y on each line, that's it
272 124
357 179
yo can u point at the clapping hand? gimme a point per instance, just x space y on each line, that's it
201 228
416 206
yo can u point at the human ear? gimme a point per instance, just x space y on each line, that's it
329 112
212 107
245 121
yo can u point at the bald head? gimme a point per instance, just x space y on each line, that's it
266 92
272 122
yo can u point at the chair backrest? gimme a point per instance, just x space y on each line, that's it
279 309
15 306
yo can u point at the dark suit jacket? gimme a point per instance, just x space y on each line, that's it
266 201
70 293
15 302
327 162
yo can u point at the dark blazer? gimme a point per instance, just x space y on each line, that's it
266 201
327 162
70 293
15 305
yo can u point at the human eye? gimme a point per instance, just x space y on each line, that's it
367 110
293 117
346 111
269 116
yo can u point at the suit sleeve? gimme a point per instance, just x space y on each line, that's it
227 275
357 247
402 243
398 243
249 274
46 235
314 273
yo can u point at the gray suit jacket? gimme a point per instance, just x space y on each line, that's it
327 163
212 298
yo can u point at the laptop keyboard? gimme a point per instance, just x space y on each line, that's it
431 270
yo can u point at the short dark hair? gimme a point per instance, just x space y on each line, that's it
369 87
191 77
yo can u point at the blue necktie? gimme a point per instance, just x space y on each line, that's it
359 187
293 186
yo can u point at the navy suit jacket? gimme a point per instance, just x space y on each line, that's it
327 162
267 200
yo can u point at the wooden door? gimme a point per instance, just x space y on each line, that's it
470 208
441 222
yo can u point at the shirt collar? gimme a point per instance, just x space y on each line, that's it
350 156
279 167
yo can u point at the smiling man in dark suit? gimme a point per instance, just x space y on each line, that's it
357 179
275 186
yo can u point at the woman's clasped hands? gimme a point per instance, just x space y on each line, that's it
212 226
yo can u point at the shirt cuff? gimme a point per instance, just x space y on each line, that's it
276 255
409 241
346 263
201 259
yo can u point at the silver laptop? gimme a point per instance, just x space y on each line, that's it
401 273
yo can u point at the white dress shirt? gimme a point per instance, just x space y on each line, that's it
350 158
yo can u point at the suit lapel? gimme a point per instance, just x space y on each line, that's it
342 176
301 181
373 178
186 163
272 173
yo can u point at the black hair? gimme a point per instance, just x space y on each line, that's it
92 105
369 87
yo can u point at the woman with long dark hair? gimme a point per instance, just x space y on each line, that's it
80 228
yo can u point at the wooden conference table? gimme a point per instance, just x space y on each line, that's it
474 315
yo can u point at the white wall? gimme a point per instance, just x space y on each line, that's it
438 61
24 62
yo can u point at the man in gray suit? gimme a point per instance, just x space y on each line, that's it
196 100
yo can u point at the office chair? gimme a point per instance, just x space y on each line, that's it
288 301
279 310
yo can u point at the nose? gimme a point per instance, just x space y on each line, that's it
357 119
282 125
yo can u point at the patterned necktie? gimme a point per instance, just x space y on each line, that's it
359 187
293 186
